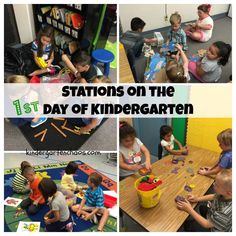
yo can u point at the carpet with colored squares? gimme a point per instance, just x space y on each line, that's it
54 171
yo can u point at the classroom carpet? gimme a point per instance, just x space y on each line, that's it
54 171
55 139
222 32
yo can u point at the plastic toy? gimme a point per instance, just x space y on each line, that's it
166 48
109 201
144 171
148 184
156 64
147 50
180 199
19 212
40 61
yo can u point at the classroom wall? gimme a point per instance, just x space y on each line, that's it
202 132
25 22
154 15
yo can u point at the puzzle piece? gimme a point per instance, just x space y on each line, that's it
187 188
201 52
180 199
175 170
190 171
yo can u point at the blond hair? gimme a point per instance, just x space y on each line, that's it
225 137
175 18
225 177
17 79
175 72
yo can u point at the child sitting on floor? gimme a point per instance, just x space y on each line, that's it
58 219
168 140
176 33
131 151
209 68
93 202
225 162
28 95
19 183
81 66
68 185
35 200
176 72
43 49
217 215
203 28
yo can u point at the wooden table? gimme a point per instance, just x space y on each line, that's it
165 217
126 75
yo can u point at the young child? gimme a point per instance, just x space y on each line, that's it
58 219
131 151
93 202
133 42
168 140
176 72
19 182
81 66
225 162
90 123
43 47
35 200
28 95
218 216
209 68
68 185
202 29
176 33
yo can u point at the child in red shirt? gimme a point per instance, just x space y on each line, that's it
35 200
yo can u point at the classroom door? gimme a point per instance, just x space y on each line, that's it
148 131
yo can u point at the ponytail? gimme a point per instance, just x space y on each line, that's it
224 52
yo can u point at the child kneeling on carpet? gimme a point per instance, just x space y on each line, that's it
168 140
28 96
217 215
131 151
68 185
19 183
225 162
58 219
35 200
209 68
93 202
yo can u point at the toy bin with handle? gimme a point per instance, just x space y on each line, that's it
148 199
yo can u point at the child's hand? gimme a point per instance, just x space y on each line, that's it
136 167
184 206
49 62
78 213
178 46
36 202
202 171
192 198
87 216
148 165
47 221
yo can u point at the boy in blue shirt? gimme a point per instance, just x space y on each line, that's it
93 202
225 161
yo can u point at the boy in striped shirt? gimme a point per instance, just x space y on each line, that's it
93 202
218 216
19 183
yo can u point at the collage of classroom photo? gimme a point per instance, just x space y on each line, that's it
123 173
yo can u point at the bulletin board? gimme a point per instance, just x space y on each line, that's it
202 132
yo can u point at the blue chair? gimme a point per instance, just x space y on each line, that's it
103 56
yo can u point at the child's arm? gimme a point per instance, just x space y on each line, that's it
174 152
183 55
69 64
178 143
125 166
90 126
204 26
146 153
50 60
35 60
186 206
212 171
56 218
206 198
200 72
151 40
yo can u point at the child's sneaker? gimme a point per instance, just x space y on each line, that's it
94 219
38 123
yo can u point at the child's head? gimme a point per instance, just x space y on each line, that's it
175 21
127 134
47 187
81 61
175 72
203 10
17 79
94 180
29 173
225 139
219 51
223 183
71 168
101 79
44 38
24 164
137 24
165 132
